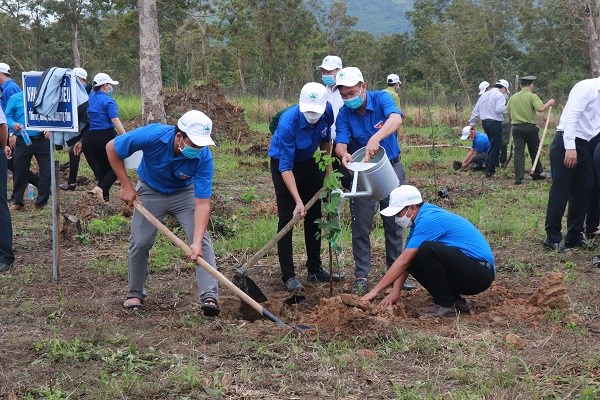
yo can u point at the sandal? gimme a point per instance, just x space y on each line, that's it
210 307
133 305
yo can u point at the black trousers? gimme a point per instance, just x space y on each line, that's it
592 219
94 145
22 155
569 185
74 160
309 180
526 135
32 178
6 235
493 130
446 273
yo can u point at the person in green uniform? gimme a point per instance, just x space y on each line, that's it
522 108
393 82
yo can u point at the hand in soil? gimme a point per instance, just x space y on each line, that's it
390 300
370 296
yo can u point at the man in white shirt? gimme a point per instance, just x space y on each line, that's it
329 67
490 108
572 166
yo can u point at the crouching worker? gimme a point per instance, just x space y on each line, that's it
444 252
175 177
477 154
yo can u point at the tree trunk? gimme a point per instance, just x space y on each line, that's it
242 79
75 43
591 19
153 106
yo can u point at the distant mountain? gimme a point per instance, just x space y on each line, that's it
380 16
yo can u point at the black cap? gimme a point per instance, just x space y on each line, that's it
529 78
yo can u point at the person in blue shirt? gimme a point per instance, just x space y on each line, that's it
8 87
301 130
23 152
444 252
478 152
175 177
370 120
105 124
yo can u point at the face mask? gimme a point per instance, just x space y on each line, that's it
110 91
354 102
189 151
405 221
328 80
312 117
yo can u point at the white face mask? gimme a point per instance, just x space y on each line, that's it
312 117
404 221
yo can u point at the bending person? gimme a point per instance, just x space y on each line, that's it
444 252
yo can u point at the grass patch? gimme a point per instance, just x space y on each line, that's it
111 225
130 106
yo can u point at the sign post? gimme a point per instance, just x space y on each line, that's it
63 120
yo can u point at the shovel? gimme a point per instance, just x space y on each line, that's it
246 284
219 276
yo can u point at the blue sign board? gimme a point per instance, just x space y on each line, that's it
65 118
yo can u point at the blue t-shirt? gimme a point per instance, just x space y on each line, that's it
481 143
355 130
15 113
101 108
160 168
9 88
296 140
438 225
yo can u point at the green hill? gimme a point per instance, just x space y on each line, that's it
380 16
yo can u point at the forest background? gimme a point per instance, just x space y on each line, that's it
269 48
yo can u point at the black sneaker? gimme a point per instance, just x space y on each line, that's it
360 287
462 305
293 285
518 181
583 244
551 245
322 276
538 177
5 267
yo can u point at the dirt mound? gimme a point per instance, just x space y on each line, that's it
346 313
228 120
551 291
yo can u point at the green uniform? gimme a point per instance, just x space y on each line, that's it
522 108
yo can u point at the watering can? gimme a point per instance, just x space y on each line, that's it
375 179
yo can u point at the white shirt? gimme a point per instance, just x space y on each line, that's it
335 98
491 105
581 116
2 116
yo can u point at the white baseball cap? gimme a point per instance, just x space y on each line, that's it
102 79
466 131
504 83
330 63
313 98
80 73
401 197
483 86
393 78
349 76
197 126
4 68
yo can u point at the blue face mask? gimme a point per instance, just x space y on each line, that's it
355 102
328 80
110 91
190 152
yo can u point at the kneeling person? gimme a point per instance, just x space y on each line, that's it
175 177
444 252
478 152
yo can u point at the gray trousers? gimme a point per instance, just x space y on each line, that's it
143 234
362 212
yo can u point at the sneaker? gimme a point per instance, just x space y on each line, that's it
538 177
551 245
408 286
518 181
477 167
323 276
489 175
293 285
68 186
360 287
462 305
584 244
437 311
5 267
596 261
